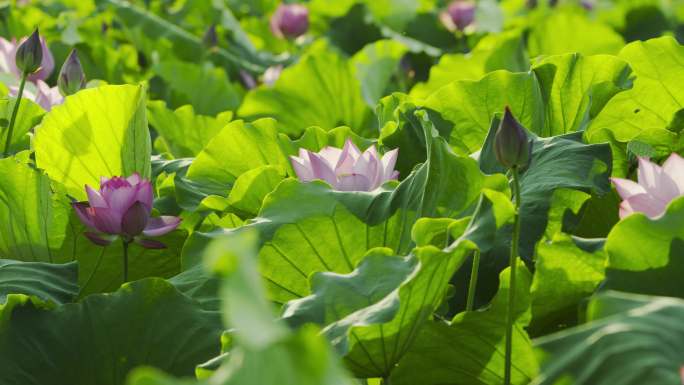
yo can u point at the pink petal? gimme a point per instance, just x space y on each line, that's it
321 169
120 199
144 194
369 164
161 225
135 219
627 188
94 198
345 163
331 155
84 213
389 160
674 167
98 239
46 96
643 203
656 182
107 220
46 65
302 168
353 182
150 244
134 179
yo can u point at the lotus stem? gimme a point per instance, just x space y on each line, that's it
125 260
13 118
511 289
470 303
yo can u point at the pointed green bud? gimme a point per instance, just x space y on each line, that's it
512 147
30 54
71 77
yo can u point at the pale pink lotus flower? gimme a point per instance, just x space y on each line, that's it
657 186
8 50
44 95
347 169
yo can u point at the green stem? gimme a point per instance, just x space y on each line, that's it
13 118
511 289
125 260
473 281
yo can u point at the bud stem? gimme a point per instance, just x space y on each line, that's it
13 118
511 289
470 303
125 260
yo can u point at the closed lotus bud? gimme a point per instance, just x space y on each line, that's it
290 21
30 54
210 39
71 77
461 13
512 147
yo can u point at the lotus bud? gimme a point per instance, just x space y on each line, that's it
459 15
346 169
210 38
71 77
512 147
122 208
30 54
290 21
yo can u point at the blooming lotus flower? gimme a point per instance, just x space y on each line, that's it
290 21
657 186
45 96
8 52
121 208
346 169
458 15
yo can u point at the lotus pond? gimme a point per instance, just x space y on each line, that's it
341 192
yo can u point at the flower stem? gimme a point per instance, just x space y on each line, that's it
13 118
473 281
511 289
125 260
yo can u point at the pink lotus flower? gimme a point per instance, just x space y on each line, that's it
8 50
290 21
346 169
122 208
45 96
656 188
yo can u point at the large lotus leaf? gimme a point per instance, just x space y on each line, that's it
366 312
96 132
567 270
470 349
238 148
183 132
470 105
372 315
653 103
320 90
28 116
561 94
575 89
558 162
503 51
308 227
206 88
33 219
566 31
375 64
99 340
101 268
630 340
647 255
263 350
46 281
